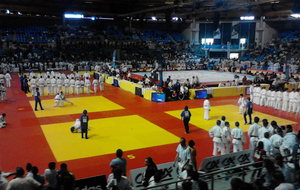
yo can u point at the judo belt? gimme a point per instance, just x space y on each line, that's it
237 139
276 147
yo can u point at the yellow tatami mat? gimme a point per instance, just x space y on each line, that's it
231 113
105 137
91 104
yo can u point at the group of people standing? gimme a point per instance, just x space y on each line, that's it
272 138
222 136
280 99
5 82
55 82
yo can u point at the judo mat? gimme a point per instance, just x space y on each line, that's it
231 112
204 76
105 137
118 119
91 104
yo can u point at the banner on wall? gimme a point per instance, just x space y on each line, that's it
225 161
169 174
217 34
234 30
96 182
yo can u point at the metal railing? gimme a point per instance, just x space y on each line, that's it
214 175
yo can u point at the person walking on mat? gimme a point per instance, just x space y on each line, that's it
37 100
186 116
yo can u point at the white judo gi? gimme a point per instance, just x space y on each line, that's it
253 135
206 106
216 133
238 138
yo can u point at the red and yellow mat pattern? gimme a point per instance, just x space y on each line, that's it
118 119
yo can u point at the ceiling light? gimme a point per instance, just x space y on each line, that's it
73 15
175 18
247 17
7 11
295 15
106 18
154 18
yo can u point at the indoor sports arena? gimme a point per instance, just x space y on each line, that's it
162 95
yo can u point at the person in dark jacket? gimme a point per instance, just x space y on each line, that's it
150 170
84 119
66 179
186 116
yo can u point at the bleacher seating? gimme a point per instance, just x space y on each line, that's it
27 34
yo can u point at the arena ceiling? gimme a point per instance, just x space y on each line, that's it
143 8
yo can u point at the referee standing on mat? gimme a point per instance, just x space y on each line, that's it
186 116
248 111
84 119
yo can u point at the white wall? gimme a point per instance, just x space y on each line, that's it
264 33
191 33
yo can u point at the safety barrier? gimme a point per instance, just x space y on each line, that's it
210 167
217 92
213 176
214 91
130 87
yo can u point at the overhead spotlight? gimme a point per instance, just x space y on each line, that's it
19 13
295 15
73 15
154 18
247 18
105 18
175 18
7 11
93 18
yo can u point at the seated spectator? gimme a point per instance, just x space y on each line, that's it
21 182
38 178
280 182
51 177
66 179
286 168
28 169
150 171
116 180
267 174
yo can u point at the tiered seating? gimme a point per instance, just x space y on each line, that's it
177 37
289 36
117 33
27 34
220 46
155 35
